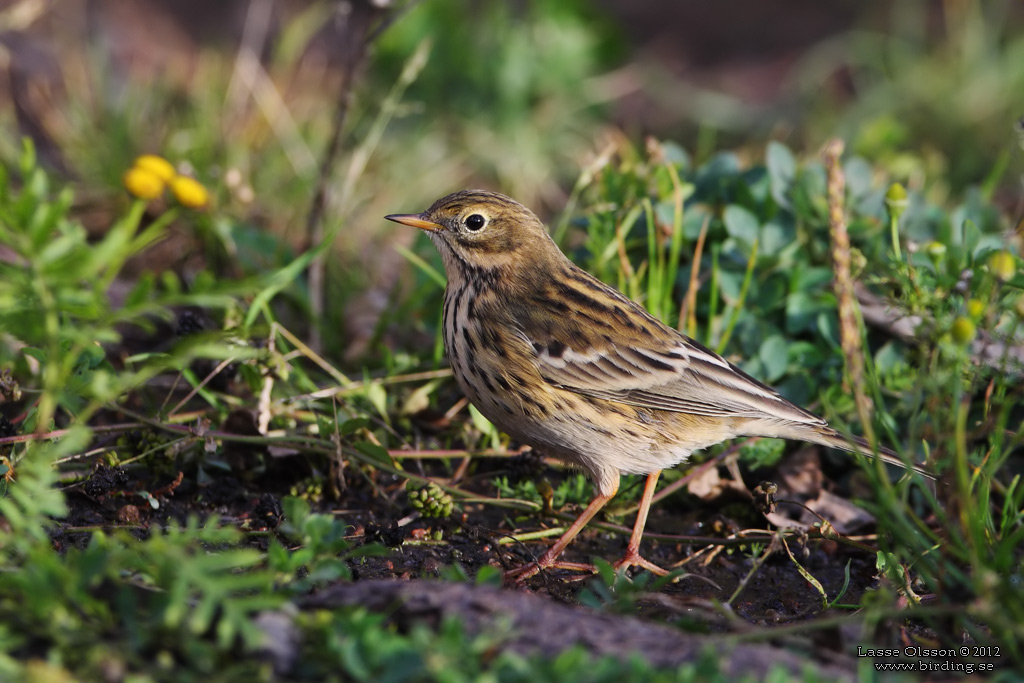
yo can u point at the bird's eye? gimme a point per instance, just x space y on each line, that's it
475 222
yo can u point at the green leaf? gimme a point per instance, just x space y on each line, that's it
353 425
374 452
485 426
35 354
889 358
828 326
674 154
804 354
377 395
781 171
774 357
777 234
275 282
801 310
859 176
296 510
141 291
489 575
741 224
693 221
419 399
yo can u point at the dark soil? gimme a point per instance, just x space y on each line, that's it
668 626
373 504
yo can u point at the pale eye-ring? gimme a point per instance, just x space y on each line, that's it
475 222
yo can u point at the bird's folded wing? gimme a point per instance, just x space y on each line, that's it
675 374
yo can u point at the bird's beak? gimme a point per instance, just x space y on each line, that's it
416 220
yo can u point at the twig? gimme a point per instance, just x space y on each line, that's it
361 37
61 433
206 380
688 311
356 387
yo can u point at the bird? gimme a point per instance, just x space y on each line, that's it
567 364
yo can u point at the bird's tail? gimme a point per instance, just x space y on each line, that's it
827 436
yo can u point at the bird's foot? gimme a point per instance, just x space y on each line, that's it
632 558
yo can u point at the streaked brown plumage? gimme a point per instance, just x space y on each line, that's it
561 361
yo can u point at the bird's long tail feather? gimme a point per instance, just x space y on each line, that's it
855 444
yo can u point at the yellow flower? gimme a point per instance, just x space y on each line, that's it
158 166
143 183
963 331
189 192
976 308
1003 265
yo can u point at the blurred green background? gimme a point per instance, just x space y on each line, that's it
518 97
512 95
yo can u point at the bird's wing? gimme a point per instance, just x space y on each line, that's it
608 347
682 377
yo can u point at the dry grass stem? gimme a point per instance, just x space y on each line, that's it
849 324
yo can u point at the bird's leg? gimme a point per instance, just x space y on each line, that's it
549 558
632 557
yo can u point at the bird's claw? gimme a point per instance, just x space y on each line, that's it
632 558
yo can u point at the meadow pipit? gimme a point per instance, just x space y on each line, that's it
563 362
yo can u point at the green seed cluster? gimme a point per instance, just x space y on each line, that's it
310 489
430 500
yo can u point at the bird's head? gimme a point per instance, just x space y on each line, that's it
477 230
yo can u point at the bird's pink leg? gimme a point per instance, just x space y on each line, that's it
550 558
632 557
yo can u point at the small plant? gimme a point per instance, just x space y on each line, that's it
430 499
613 591
55 301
